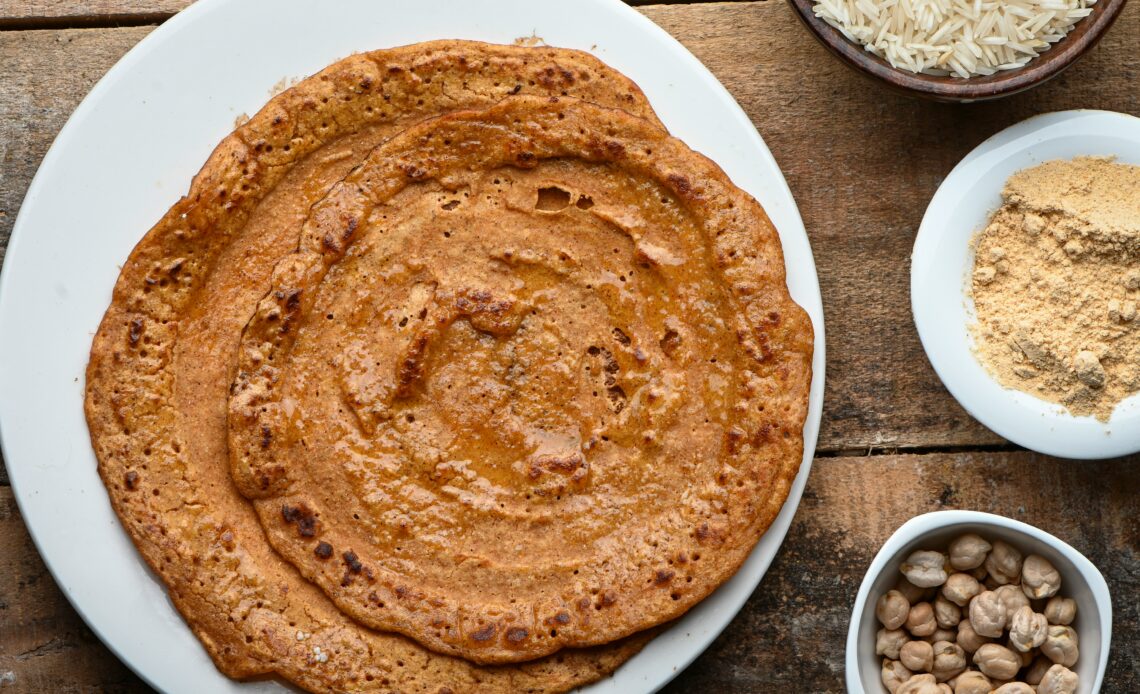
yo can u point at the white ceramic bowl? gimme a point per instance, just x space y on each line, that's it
942 261
1080 580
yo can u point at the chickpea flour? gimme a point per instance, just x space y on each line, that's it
1056 283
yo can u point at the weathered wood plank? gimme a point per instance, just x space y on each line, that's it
42 14
790 635
862 163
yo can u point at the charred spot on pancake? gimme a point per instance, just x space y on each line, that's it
484 634
323 550
352 562
670 341
682 186
552 199
300 515
135 330
663 576
526 160
131 479
517 634
266 436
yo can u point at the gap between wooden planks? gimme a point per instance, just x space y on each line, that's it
861 162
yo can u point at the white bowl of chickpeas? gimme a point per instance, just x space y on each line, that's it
963 602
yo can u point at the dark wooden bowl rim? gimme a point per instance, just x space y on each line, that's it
1049 64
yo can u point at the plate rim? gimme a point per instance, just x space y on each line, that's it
792 232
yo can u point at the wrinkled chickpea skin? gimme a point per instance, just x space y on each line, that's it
987 614
1013 598
949 661
892 609
917 656
1061 646
960 588
1004 563
1058 680
997 661
969 639
1039 578
925 568
911 592
1028 629
946 613
920 621
888 642
968 552
1014 688
941 634
894 674
920 684
1061 611
972 682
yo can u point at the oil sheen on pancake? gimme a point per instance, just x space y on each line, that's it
532 379
165 355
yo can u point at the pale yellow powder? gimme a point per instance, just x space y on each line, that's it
1056 284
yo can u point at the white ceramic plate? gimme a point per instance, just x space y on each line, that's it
942 262
1080 580
130 150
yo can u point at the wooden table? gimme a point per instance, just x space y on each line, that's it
863 163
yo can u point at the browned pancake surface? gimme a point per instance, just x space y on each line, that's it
164 358
532 380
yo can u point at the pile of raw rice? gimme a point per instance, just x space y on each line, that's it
959 37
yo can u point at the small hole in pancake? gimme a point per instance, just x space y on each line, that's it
584 203
552 199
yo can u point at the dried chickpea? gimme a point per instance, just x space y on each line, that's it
972 682
920 621
919 684
1013 598
968 639
949 661
1061 646
1058 680
892 609
1039 578
925 568
1014 688
946 613
960 588
968 552
997 661
1061 611
1004 563
894 674
888 642
944 688
1027 629
917 656
987 614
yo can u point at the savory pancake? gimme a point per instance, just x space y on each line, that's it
532 379
165 354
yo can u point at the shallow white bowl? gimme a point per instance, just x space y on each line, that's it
942 261
1080 580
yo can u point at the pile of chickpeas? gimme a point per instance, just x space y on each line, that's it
976 619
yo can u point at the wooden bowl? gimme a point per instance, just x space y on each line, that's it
1049 64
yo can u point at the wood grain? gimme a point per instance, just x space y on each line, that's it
42 14
790 635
